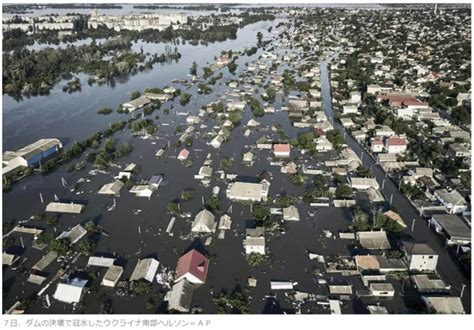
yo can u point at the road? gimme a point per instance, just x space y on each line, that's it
447 267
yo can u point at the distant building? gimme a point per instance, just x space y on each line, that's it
137 103
183 154
376 145
364 183
282 150
245 191
30 155
382 289
396 145
458 150
453 201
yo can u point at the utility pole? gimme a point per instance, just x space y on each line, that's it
462 290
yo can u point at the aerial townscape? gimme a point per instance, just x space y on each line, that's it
236 158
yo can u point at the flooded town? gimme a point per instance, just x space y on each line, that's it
236 158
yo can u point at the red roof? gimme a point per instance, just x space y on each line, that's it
281 148
399 99
183 154
193 263
396 141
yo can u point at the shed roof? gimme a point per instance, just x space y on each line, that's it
145 269
70 292
373 240
64 207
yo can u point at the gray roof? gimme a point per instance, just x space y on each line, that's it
39 146
112 188
386 263
112 274
9 259
145 269
424 283
64 207
74 235
453 225
418 248
180 296
373 240
204 221
381 287
100 261
45 261
451 197
445 305
291 213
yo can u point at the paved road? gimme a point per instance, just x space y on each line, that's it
447 268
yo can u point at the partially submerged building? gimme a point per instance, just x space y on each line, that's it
112 188
204 222
58 207
112 276
31 155
193 267
145 269
246 191
180 296
71 291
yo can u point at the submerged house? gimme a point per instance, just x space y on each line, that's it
71 291
145 269
204 222
180 296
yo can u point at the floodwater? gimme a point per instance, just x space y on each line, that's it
73 117
136 227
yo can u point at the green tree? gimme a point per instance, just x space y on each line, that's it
134 95
193 70
260 212
173 207
86 246
52 221
213 203
343 191
187 195
60 246
254 259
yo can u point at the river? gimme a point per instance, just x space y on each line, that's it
73 117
